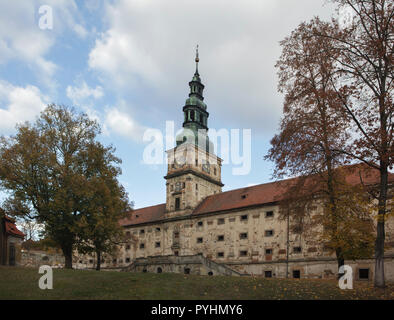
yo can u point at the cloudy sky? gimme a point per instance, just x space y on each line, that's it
127 63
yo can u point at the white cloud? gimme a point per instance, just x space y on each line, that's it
19 104
80 95
21 39
150 45
121 123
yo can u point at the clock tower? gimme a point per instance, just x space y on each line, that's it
194 171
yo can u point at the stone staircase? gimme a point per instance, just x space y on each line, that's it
175 264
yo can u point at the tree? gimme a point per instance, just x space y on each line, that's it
364 63
44 166
106 203
313 128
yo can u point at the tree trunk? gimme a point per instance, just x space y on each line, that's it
68 256
98 266
340 261
380 237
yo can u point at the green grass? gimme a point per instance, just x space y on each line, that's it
22 283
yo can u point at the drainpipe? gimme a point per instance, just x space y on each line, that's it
288 245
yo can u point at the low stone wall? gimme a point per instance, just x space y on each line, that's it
195 264
37 258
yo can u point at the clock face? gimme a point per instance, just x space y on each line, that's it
180 160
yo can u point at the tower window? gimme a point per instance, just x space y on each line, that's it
177 203
201 118
192 115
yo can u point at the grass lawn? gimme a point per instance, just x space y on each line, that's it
22 283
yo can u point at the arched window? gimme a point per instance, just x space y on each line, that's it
159 270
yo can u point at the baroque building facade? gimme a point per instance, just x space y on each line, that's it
202 230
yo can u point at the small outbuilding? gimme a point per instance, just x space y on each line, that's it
10 241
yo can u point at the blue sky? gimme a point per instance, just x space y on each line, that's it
128 64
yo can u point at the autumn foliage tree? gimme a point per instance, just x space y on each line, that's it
364 63
313 128
105 204
53 167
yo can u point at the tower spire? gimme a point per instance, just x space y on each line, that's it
197 59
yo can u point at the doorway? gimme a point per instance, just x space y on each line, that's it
12 255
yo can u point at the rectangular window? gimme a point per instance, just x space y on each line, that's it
243 253
297 250
157 244
221 238
158 229
363 274
200 240
176 234
244 217
269 214
127 260
142 231
296 274
220 255
268 274
268 251
114 261
200 223
177 203
269 233
128 247
220 221
142 245
243 235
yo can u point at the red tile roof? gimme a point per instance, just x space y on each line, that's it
144 215
259 195
274 192
11 228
